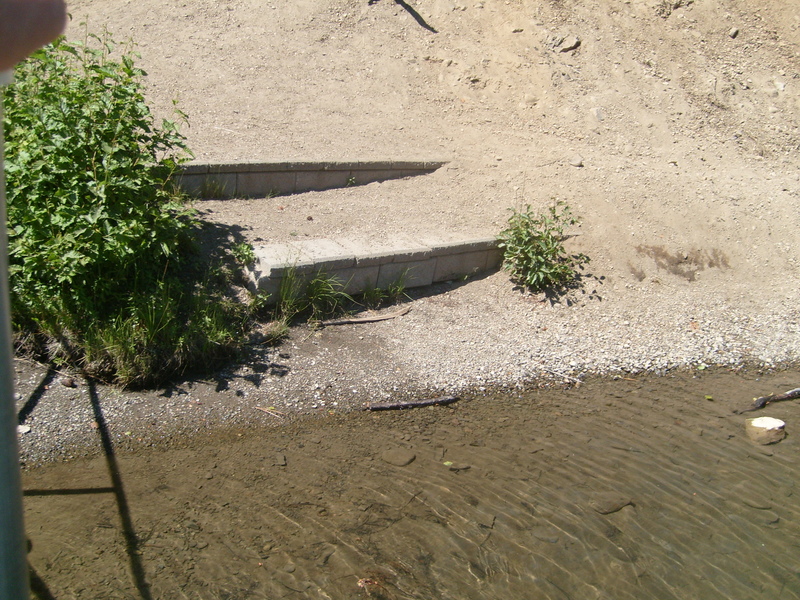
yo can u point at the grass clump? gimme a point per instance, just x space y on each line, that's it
533 249
103 270
319 297
374 297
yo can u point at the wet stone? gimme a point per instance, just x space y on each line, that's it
399 457
757 503
724 545
326 552
544 533
767 517
610 502
459 466
765 430
743 493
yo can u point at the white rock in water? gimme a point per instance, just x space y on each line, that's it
765 430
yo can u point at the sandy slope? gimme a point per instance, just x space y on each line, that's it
687 134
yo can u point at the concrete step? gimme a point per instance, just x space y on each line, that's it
360 267
254 180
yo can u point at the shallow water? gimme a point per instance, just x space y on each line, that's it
505 498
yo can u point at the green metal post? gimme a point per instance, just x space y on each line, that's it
13 551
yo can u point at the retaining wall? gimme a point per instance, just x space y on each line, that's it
254 180
360 268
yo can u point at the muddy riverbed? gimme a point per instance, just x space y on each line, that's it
638 487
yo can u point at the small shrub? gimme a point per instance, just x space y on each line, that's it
533 249
103 268
244 254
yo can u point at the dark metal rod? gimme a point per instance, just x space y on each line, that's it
13 556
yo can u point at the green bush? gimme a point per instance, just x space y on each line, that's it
100 243
533 249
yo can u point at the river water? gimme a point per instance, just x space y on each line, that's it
641 488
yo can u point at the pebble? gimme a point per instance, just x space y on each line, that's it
399 457
598 113
459 466
767 517
530 99
571 42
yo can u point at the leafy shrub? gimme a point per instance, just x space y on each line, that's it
533 248
244 253
99 239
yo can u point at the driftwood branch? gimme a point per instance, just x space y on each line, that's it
272 412
761 402
440 401
374 319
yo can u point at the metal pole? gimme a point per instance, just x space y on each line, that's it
13 550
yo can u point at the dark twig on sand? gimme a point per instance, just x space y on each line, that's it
440 401
764 400
375 319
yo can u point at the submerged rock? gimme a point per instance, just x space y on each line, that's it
399 457
610 502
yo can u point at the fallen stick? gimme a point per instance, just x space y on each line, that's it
440 401
563 375
764 400
273 413
374 319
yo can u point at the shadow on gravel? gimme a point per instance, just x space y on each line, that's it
576 291
39 588
447 286
37 394
262 368
215 240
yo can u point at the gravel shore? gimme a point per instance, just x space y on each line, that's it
473 338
